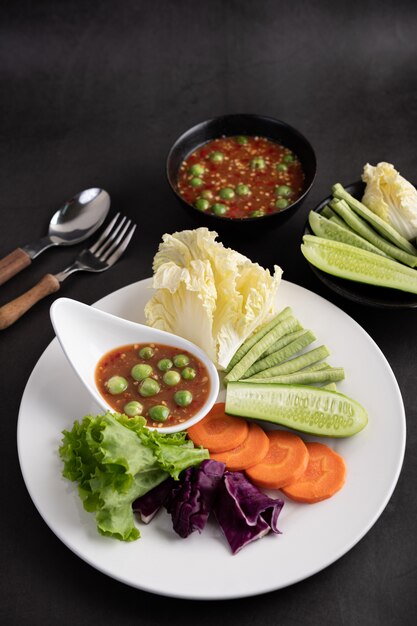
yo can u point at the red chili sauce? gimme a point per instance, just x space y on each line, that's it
241 177
135 379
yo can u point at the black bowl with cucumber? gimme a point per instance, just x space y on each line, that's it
379 267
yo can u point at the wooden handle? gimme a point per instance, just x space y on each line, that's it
13 263
11 311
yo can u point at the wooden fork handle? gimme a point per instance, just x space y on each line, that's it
13 310
13 263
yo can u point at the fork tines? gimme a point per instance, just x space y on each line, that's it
113 240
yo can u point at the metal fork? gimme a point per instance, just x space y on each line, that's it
99 257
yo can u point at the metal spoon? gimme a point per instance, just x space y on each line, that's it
75 221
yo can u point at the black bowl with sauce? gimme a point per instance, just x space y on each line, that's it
249 126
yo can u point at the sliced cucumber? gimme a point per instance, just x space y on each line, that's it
372 218
328 229
308 409
340 259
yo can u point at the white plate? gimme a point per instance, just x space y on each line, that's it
201 567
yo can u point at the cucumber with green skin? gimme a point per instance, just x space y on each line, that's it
344 261
312 410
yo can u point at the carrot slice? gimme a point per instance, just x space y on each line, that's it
218 431
253 449
324 476
285 461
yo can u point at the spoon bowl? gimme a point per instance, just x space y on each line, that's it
75 221
86 334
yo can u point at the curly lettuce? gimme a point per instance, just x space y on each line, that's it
209 294
115 460
392 197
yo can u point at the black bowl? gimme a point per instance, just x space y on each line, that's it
369 295
242 124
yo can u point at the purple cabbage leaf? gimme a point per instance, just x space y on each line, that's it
148 505
243 512
192 499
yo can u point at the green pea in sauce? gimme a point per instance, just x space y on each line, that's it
149 384
241 177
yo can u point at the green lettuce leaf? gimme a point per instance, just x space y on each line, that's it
115 459
174 454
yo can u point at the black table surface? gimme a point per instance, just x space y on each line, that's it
94 94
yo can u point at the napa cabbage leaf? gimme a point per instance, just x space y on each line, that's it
209 294
392 197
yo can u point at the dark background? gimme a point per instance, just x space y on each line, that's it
94 93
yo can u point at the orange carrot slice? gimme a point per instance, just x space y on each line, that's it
218 431
285 461
253 449
324 476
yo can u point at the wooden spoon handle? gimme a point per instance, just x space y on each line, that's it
11 311
13 263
